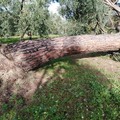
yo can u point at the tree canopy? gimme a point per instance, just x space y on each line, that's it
18 17
91 16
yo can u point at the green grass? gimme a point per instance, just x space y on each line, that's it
53 36
9 40
79 92
14 39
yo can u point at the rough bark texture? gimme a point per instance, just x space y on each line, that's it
31 54
19 58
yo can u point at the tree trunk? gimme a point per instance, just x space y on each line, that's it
19 58
30 54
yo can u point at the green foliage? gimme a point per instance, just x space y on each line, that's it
17 17
82 17
81 92
89 16
57 25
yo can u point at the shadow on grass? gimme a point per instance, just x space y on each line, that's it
74 92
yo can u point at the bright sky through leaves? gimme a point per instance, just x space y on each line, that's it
53 8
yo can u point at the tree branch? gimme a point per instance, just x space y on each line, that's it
21 6
112 5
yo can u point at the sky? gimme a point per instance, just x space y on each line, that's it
53 8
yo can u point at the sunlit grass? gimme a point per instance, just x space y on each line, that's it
14 39
76 91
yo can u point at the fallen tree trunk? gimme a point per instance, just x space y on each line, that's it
28 55
19 58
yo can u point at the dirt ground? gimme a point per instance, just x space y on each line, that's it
104 63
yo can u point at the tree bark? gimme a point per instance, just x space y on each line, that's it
16 60
28 55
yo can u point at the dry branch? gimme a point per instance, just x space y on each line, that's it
112 5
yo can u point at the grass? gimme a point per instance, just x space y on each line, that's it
75 92
9 40
14 39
